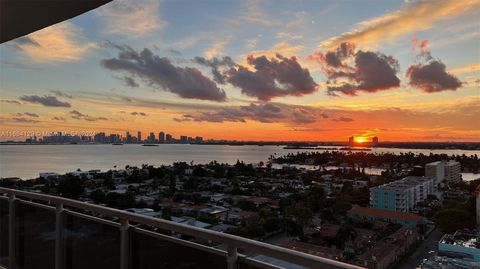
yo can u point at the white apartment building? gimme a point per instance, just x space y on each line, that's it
442 170
453 171
402 195
435 170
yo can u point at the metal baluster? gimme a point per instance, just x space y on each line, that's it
124 244
232 257
59 236
11 231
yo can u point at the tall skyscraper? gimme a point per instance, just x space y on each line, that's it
128 139
374 141
139 137
183 139
161 137
151 138
169 138
351 141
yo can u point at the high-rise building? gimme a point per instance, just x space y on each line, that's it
374 141
351 141
114 138
169 138
435 170
99 138
151 138
161 137
442 170
401 195
139 137
453 171
128 138
198 139
184 139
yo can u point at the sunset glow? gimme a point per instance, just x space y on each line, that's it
251 70
360 140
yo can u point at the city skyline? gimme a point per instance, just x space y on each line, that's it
253 70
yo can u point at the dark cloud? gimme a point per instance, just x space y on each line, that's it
25 40
10 101
138 114
24 120
80 116
130 82
266 113
432 77
272 78
174 51
216 64
159 72
335 58
371 72
430 74
275 77
29 114
45 100
343 119
61 94
58 118
345 88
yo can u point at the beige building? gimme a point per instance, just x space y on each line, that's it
453 171
443 170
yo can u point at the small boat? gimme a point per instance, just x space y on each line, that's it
117 144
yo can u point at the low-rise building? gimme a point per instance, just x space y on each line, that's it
389 250
401 195
375 214
461 245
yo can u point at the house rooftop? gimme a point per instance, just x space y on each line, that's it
463 239
404 183
384 214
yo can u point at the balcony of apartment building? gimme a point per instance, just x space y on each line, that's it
43 231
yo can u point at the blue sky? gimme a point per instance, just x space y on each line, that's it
67 58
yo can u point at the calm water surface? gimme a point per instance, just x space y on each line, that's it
26 161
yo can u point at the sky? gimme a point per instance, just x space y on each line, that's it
290 70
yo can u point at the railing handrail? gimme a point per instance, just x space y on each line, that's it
258 247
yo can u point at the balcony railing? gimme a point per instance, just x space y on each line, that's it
43 231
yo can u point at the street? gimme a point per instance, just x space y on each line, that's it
424 251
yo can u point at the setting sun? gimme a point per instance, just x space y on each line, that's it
361 140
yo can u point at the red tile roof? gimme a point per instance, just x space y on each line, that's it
383 214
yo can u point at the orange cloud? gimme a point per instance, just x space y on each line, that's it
217 48
58 43
466 69
131 18
412 18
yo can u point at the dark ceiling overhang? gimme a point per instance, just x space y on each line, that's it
22 17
